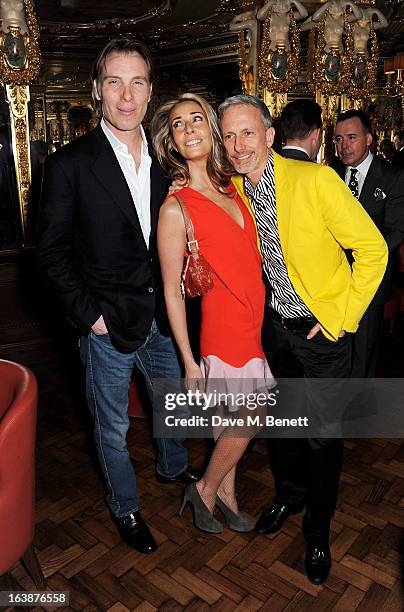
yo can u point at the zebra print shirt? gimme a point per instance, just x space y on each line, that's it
283 298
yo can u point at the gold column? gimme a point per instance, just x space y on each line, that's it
329 105
38 132
18 98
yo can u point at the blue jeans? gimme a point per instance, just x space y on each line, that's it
108 373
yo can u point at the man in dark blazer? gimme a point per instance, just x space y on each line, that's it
398 158
301 128
379 186
97 249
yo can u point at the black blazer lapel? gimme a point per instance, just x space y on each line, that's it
108 171
339 168
371 182
156 198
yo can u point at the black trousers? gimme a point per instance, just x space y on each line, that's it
366 342
307 471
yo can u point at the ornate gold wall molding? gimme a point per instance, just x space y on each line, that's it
20 61
219 53
18 98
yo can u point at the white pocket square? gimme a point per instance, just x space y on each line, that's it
379 194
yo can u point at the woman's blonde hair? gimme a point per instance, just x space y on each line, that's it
219 168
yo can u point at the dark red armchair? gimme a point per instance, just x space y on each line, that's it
18 403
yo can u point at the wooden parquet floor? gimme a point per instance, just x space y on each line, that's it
81 552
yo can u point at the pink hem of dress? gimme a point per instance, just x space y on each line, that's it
252 378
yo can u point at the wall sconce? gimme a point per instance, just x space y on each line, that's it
394 71
399 68
389 65
389 72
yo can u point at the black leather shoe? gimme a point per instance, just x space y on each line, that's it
135 533
272 519
187 476
317 562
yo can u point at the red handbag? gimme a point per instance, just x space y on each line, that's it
196 276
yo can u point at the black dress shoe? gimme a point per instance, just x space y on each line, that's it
135 533
272 519
317 562
187 476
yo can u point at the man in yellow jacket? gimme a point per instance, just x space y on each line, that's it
306 216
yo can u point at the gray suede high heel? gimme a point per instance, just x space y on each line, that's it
236 522
203 519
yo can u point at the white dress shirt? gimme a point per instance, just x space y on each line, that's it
362 169
137 181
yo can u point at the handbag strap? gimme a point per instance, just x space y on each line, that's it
192 244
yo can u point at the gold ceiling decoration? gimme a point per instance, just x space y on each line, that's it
162 7
358 2
250 4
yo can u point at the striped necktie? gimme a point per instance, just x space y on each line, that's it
353 183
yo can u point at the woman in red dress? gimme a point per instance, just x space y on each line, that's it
188 144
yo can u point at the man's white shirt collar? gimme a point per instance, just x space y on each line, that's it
295 147
117 144
137 179
363 167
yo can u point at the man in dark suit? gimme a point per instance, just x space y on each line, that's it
301 128
379 186
97 248
398 158
10 232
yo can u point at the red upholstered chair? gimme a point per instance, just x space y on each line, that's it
18 402
400 290
401 256
394 308
391 312
135 405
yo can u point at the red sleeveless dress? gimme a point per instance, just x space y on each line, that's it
232 312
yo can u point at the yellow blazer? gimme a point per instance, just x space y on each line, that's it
318 218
